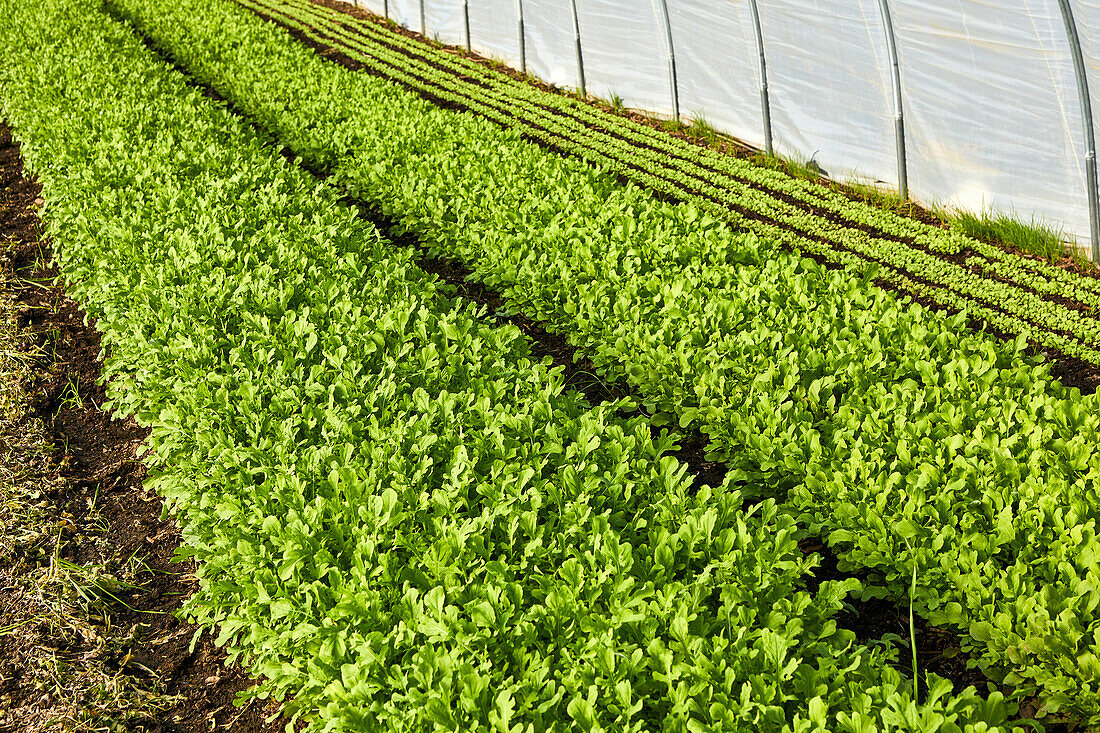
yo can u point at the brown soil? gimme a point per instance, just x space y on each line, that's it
98 461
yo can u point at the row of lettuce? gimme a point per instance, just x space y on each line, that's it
1015 294
400 520
905 440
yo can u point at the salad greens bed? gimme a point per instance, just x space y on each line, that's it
400 519
1018 295
910 443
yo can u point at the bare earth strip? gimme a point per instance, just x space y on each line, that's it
88 587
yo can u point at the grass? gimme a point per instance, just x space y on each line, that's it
1035 237
615 102
496 63
880 196
71 398
913 633
794 166
673 125
703 131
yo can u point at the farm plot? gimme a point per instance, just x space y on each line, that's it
1015 294
400 519
908 442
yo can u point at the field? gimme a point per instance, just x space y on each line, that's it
482 407
1012 293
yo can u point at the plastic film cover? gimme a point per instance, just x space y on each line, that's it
1086 13
406 13
717 66
625 52
991 107
549 32
374 6
829 77
444 21
494 30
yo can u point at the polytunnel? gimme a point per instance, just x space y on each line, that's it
978 104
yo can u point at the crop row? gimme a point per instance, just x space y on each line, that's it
400 520
906 440
802 215
991 259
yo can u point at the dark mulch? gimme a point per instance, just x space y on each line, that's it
99 460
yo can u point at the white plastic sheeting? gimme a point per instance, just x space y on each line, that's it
829 77
716 66
548 26
992 114
628 56
992 109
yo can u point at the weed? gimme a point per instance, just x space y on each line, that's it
53 339
64 605
795 166
594 379
615 102
44 283
913 628
1036 237
881 197
92 587
1079 257
41 258
70 397
672 125
702 130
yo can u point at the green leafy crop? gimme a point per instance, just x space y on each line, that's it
1016 294
400 519
902 437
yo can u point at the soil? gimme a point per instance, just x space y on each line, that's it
101 475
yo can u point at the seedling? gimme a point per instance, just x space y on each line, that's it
70 397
